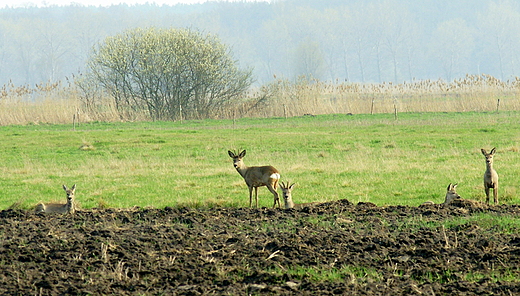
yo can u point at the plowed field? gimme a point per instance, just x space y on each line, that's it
331 248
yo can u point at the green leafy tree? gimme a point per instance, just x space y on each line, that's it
171 73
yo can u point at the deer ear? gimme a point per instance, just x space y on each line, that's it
73 187
292 185
483 151
231 154
493 151
449 187
242 154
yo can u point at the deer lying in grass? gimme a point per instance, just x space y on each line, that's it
451 195
68 208
287 197
490 176
257 176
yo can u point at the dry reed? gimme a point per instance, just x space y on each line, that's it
51 103
471 93
56 103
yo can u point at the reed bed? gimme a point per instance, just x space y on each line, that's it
57 103
52 103
471 93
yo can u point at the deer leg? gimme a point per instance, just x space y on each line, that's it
487 193
250 196
495 194
275 186
256 197
276 198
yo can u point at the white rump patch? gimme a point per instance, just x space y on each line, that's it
275 176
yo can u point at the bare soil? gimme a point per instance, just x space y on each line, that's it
239 251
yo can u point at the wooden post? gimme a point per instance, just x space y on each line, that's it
285 111
395 109
234 117
77 117
74 121
498 105
180 112
372 108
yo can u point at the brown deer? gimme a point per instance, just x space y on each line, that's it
287 197
451 195
490 176
68 208
257 176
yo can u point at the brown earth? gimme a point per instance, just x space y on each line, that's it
240 251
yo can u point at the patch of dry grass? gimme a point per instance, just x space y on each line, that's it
57 103
49 103
471 93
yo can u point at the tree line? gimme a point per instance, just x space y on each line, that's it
357 41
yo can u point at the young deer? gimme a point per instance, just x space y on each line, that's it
68 208
287 197
257 176
451 195
490 176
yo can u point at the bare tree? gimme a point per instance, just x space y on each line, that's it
499 27
452 44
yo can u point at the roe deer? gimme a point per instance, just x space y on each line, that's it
451 195
257 176
68 208
490 176
287 197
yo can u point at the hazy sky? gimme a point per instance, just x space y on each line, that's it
25 3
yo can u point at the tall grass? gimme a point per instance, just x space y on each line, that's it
471 93
61 103
50 103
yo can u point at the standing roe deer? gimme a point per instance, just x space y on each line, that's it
257 176
451 195
287 197
490 176
68 208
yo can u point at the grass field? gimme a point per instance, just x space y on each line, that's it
361 157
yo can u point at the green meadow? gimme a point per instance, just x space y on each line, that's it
363 158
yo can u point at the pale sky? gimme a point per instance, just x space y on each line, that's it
42 3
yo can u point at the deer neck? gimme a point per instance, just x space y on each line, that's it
70 206
489 166
242 169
